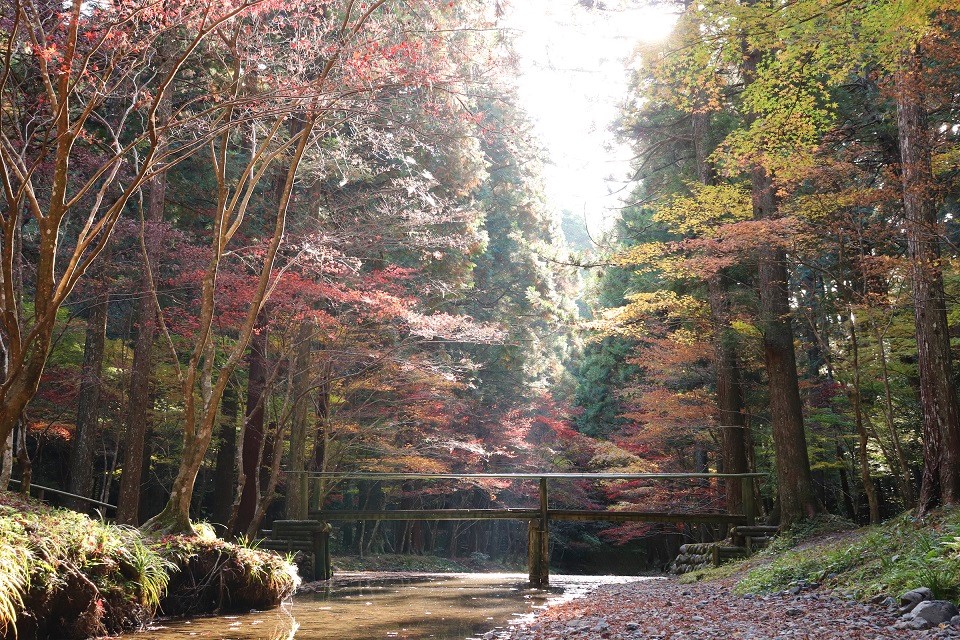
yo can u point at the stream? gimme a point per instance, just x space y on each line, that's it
362 606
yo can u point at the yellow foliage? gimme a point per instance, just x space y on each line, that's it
669 303
708 207
649 254
630 319
746 329
947 160
610 458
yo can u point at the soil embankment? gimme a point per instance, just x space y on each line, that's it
66 576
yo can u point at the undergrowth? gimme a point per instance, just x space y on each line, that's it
63 574
901 554
41 549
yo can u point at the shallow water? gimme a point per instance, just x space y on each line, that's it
408 606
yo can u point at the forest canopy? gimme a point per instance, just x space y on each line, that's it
242 241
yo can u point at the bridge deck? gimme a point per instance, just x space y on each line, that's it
530 514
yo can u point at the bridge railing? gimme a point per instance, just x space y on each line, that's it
539 517
40 493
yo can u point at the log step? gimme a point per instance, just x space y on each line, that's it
756 529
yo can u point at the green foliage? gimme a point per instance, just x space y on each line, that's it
256 567
39 544
890 558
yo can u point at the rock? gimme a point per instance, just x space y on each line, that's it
632 626
601 626
793 612
878 599
911 599
794 590
935 611
918 624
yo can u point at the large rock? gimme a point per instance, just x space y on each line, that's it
935 611
911 599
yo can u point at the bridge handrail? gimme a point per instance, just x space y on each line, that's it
365 475
66 494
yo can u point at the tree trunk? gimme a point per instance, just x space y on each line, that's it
729 391
906 479
223 477
297 483
253 425
144 511
175 516
88 407
868 487
138 398
938 400
272 459
794 481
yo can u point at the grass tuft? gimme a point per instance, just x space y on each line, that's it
901 554
113 576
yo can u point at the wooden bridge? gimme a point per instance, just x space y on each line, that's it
313 535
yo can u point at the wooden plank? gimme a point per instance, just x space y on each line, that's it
360 475
307 526
431 514
530 514
644 516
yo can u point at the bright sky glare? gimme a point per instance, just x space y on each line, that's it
573 78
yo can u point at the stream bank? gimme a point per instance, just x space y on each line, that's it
823 579
66 576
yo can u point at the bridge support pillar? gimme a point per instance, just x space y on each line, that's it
538 543
747 498
322 568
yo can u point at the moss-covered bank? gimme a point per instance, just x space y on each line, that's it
888 559
64 575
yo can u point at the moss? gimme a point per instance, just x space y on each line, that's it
901 554
212 575
65 575
712 573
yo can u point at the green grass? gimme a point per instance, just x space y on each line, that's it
901 554
39 545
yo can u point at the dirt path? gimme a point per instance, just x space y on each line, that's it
663 609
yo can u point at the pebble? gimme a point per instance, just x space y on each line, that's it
662 609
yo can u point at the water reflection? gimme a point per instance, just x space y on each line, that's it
402 606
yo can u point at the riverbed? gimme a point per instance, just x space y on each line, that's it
362 606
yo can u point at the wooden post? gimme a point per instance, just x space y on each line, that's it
321 553
749 505
538 550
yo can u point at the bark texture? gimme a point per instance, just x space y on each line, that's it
729 393
938 399
138 397
224 477
253 427
794 480
88 407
